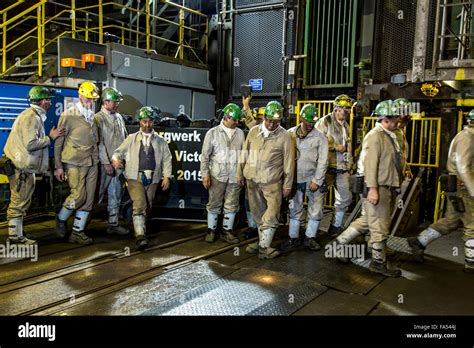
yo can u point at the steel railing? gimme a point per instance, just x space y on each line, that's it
423 137
72 29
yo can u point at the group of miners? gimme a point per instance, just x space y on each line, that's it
272 163
84 139
276 164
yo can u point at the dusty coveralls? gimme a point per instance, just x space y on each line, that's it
147 161
460 163
339 163
27 147
380 163
219 157
112 133
267 163
77 153
311 165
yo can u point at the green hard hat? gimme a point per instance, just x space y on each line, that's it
39 92
309 113
470 116
386 108
274 110
146 112
233 111
112 94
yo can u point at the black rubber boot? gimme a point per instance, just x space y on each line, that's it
289 244
312 244
417 249
229 237
381 268
61 228
211 236
141 242
334 231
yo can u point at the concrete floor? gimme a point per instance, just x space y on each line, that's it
192 277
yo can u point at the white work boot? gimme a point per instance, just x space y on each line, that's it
61 221
78 236
15 232
139 226
265 251
228 227
418 244
379 261
469 256
346 237
428 235
114 227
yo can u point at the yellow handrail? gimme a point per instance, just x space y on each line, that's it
40 43
5 10
20 15
434 125
20 22
8 48
184 8
4 44
40 6
51 19
36 51
439 203
101 24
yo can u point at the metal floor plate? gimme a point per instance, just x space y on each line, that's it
398 244
72 285
245 292
141 297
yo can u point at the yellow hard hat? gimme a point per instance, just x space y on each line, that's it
89 90
343 100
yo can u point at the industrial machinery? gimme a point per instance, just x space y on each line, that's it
193 60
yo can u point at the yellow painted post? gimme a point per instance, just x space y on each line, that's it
101 23
4 44
351 127
412 143
438 142
429 126
73 18
123 35
87 26
40 54
181 34
147 16
43 19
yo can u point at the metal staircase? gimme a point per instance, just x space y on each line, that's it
29 33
